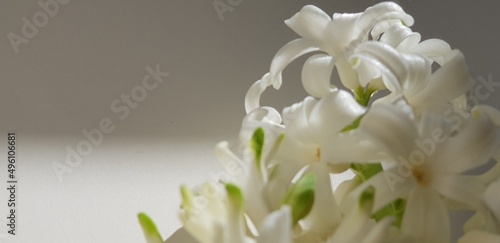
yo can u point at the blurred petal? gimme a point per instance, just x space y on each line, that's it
389 185
324 215
425 217
316 74
492 112
447 83
280 179
350 147
276 227
465 189
476 236
474 145
149 229
492 199
379 232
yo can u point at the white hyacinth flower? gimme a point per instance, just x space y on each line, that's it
412 151
429 165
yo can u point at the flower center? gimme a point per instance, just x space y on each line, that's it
420 176
317 156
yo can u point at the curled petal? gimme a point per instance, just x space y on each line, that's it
400 37
252 98
492 112
400 72
286 55
316 74
340 31
434 49
379 13
309 23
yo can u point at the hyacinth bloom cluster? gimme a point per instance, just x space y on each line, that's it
410 148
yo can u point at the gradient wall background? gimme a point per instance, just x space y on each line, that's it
67 76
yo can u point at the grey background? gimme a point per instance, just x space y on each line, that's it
65 79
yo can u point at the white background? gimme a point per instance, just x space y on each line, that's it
66 77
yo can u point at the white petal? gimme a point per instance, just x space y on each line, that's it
249 180
348 76
379 232
296 120
492 174
280 179
492 112
425 217
286 55
434 49
476 236
309 23
316 74
252 98
391 129
476 142
389 185
276 227
400 72
373 60
380 13
346 187
266 118
465 189
350 147
324 216
341 32
228 159
400 37
447 83
333 113
481 220
492 199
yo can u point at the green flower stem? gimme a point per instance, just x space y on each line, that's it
363 95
